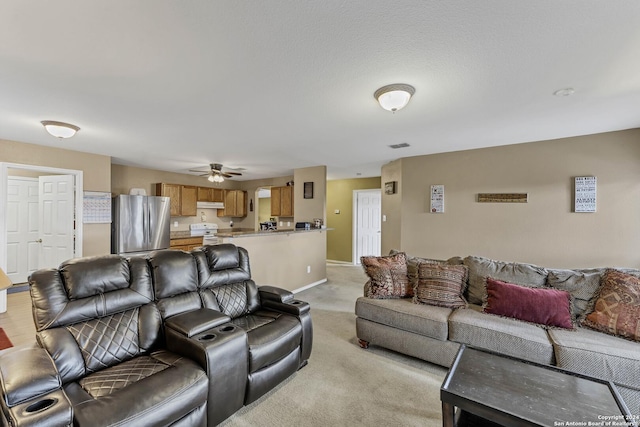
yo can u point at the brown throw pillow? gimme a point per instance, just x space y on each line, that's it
388 276
441 285
548 307
617 306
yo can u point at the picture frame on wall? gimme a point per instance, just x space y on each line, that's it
390 187
308 190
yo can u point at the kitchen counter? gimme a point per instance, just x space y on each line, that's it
247 232
185 234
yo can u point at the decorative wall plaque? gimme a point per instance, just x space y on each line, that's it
502 197
390 187
585 194
437 198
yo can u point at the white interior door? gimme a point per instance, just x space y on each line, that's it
23 249
56 219
367 223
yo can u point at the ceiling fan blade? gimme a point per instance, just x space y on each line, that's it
226 175
199 170
233 173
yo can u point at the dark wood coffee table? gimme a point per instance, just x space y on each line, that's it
489 389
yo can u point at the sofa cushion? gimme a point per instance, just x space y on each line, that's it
596 354
518 273
388 276
502 335
548 307
581 284
271 336
163 388
616 310
441 285
402 314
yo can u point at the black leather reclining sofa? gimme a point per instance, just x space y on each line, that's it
175 338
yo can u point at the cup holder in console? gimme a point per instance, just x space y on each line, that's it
207 337
227 328
296 302
40 405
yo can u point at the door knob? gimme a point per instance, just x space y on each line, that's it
39 241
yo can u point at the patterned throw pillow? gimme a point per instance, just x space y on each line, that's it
388 276
617 306
441 285
542 306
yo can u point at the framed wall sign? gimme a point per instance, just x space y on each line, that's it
585 194
308 190
390 187
437 198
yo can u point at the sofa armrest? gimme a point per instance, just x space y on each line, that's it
223 352
32 392
194 322
295 307
272 293
26 373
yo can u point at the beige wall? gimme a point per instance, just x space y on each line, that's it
340 197
391 207
308 209
543 231
96 177
281 259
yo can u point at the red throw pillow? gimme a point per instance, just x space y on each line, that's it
544 306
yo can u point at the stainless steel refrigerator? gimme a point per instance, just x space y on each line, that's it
140 224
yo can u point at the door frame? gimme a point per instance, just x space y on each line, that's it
354 222
77 200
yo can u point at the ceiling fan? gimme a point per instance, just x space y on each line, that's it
215 174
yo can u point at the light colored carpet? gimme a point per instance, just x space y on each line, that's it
344 385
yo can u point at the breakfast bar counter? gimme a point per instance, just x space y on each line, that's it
291 259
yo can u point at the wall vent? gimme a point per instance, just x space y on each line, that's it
402 145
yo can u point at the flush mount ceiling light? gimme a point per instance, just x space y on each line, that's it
60 129
568 91
394 97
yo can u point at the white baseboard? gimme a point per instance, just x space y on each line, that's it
311 285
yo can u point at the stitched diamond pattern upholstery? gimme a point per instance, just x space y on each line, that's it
107 340
103 383
232 299
251 322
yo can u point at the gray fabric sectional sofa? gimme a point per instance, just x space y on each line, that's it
435 333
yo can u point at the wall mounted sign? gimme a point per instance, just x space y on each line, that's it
390 187
437 198
585 194
308 190
502 197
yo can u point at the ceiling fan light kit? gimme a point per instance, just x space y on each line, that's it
60 129
394 97
215 173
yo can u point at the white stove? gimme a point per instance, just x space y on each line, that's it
207 230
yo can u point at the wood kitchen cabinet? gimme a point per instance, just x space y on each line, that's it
183 198
207 194
282 201
186 244
235 204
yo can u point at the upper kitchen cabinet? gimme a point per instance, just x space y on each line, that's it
235 204
207 194
282 201
183 198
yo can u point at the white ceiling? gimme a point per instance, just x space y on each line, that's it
276 85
